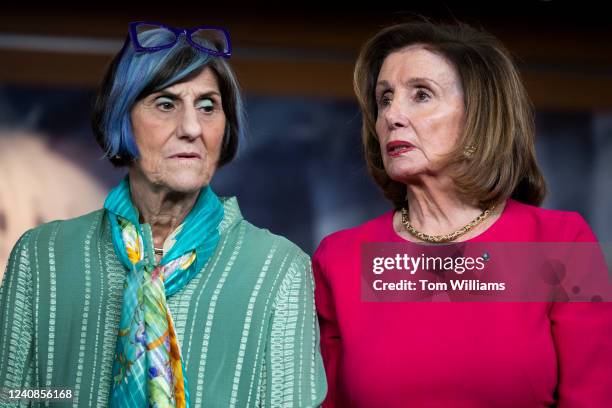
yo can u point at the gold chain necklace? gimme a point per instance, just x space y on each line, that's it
437 239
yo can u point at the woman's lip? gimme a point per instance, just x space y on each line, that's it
185 156
398 147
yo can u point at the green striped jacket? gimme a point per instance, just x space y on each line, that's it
246 323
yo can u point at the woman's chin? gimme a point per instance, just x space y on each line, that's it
403 174
187 184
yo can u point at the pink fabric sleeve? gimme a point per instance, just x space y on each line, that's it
331 345
582 333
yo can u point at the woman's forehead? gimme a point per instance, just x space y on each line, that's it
417 62
204 82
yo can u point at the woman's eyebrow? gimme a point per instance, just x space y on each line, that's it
208 94
167 94
417 80
175 96
382 84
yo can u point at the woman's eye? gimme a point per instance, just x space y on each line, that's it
207 105
384 101
422 96
164 104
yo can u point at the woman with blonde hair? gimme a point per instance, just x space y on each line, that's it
448 136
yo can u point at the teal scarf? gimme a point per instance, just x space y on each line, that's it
148 369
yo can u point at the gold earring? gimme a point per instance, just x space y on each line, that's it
469 151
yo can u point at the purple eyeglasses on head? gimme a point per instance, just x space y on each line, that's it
209 39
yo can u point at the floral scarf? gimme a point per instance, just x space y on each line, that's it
148 369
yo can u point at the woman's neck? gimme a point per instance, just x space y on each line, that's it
162 209
436 208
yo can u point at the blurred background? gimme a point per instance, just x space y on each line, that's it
300 172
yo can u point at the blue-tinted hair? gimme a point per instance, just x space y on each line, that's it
134 75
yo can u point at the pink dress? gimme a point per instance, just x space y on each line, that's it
460 354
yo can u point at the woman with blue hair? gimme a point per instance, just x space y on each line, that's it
166 297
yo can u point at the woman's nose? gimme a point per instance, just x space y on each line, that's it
190 127
396 115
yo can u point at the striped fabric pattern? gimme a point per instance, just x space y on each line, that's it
246 323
